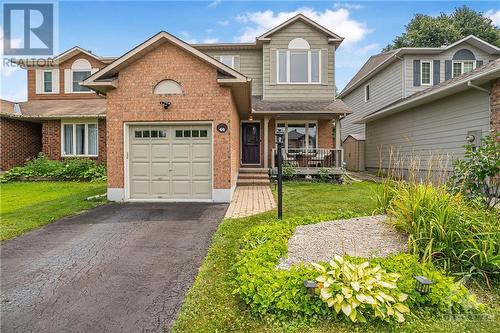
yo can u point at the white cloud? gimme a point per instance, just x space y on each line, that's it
493 15
210 40
224 23
338 21
191 41
347 5
185 34
214 3
209 30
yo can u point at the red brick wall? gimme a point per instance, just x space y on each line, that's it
325 134
495 108
19 142
203 100
51 140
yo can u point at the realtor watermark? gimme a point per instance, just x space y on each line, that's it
30 33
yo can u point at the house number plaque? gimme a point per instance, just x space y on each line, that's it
222 128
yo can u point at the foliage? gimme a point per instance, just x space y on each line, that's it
28 205
361 290
323 175
477 176
443 228
288 171
445 29
69 169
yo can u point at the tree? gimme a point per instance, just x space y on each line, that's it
428 31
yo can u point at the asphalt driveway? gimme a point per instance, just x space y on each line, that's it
116 268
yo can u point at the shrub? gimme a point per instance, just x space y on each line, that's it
288 171
323 175
279 295
456 234
69 169
477 175
360 290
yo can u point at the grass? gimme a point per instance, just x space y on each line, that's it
26 206
210 305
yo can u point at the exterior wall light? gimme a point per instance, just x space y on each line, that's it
423 285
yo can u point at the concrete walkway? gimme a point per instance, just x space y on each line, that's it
250 200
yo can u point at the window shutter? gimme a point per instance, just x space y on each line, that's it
38 81
272 66
237 62
479 63
67 81
436 71
55 81
447 69
416 73
324 67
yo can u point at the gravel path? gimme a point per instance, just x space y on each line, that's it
365 237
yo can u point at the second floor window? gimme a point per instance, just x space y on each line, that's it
367 93
461 67
79 76
425 73
298 66
47 81
227 60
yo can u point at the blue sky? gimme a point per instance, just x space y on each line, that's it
112 28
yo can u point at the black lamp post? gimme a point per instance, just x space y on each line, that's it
423 284
280 133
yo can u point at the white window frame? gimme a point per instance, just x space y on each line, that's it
43 82
309 63
298 122
72 81
367 96
229 56
461 62
430 73
86 138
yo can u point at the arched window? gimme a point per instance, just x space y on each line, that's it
463 61
169 87
298 44
80 70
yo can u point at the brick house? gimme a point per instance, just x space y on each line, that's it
175 121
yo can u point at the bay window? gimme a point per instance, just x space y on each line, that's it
79 139
299 135
298 66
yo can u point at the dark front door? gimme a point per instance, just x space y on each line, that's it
250 143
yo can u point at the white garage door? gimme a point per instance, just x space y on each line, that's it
170 162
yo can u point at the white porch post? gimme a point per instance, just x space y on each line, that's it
266 142
338 141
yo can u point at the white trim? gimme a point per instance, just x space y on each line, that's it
369 92
298 44
298 122
288 67
430 73
126 146
85 122
462 62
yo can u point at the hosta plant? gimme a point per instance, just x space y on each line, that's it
360 290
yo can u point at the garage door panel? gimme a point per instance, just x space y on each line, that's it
180 169
174 165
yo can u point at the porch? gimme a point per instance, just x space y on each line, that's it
311 161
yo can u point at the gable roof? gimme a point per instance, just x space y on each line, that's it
379 61
68 54
301 17
478 76
103 80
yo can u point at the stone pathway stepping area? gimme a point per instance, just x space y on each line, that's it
366 237
250 200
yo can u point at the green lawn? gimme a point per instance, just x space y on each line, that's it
211 307
28 205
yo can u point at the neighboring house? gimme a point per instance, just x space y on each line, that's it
389 78
182 119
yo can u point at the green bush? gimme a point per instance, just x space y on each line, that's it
456 234
69 169
476 175
279 295
288 171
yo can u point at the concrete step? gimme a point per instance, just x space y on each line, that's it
253 176
253 170
253 182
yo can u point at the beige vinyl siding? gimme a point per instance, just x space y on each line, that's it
316 40
248 63
435 129
446 55
385 88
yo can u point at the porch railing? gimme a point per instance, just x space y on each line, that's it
311 158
